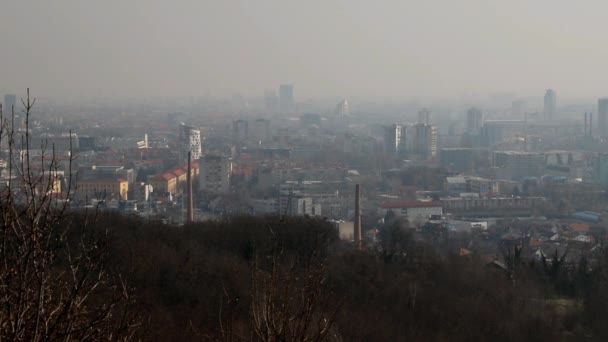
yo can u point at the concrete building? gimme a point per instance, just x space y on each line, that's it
267 206
164 183
489 204
61 142
457 160
359 145
102 189
271 101
393 140
189 141
424 116
106 172
302 206
286 102
46 182
481 187
215 174
346 230
455 185
342 108
10 102
600 169
425 141
240 130
174 180
413 211
513 164
494 132
261 130
550 104
474 120
602 117
518 108
143 144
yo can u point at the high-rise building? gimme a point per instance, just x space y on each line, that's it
424 116
425 141
393 139
518 108
474 120
271 101
240 129
189 141
10 101
602 117
215 174
550 107
343 108
286 97
261 129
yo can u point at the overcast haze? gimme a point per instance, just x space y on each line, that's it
325 48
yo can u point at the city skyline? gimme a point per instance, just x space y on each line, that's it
329 48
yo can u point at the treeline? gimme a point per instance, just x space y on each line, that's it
270 279
292 279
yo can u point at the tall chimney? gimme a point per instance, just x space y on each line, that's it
590 124
586 129
357 226
189 181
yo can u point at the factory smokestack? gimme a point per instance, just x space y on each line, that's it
190 218
586 129
357 226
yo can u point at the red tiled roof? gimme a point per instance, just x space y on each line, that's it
178 171
412 204
164 176
580 227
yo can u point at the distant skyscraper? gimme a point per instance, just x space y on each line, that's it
474 120
271 101
550 106
602 116
286 97
261 129
393 139
10 101
343 108
425 141
424 116
518 108
189 141
240 129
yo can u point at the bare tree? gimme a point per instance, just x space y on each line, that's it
290 301
54 280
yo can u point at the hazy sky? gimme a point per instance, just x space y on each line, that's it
348 48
